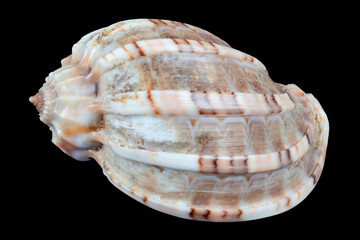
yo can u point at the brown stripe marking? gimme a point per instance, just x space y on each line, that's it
268 103
216 50
177 44
288 201
276 103
97 88
192 212
191 47
183 24
200 161
313 175
266 100
280 158
141 52
232 213
156 109
232 161
163 22
246 164
240 212
131 56
145 199
187 41
206 214
307 137
284 157
288 155
160 22
215 163
181 45
153 21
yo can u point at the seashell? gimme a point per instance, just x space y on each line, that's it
185 124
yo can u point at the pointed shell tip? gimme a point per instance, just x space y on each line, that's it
38 101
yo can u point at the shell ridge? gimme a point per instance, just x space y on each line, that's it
164 45
95 39
190 103
240 164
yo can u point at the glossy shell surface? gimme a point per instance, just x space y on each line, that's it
185 124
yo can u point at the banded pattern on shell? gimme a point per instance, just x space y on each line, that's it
185 124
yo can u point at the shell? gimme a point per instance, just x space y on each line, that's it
185 124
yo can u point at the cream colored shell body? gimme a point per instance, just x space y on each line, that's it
185 124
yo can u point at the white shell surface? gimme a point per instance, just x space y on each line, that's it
185 124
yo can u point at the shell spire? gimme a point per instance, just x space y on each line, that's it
185 124
38 101
67 103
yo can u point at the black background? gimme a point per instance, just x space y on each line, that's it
297 43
